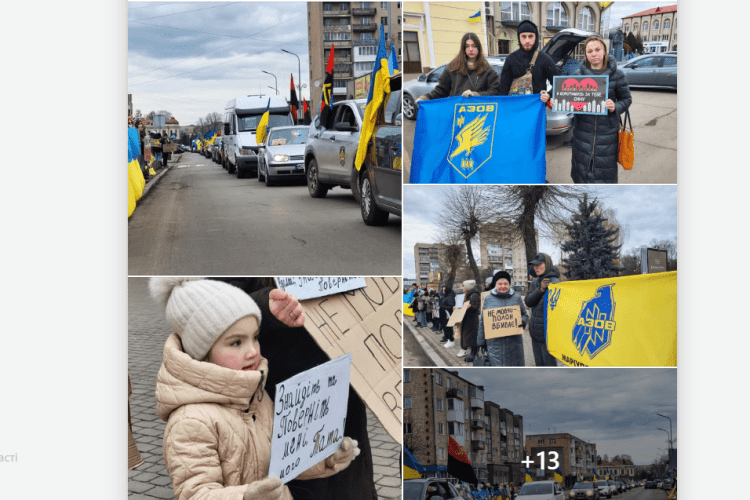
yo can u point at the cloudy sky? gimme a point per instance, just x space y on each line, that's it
191 58
645 212
616 408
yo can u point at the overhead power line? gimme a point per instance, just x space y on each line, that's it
184 12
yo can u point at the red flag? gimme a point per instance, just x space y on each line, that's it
459 465
326 101
293 102
306 112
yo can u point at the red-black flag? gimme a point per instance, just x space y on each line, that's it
306 112
459 465
326 101
293 102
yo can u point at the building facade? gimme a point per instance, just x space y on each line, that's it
576 456
502 249
427 263
657 27
353 29
439 404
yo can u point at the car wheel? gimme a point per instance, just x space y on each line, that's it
314 186
230 167
240 173
410 107
371 214
269 179
354 183
260 174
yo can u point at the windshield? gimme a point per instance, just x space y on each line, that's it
287 136
412 490
250 123
535 489
582 486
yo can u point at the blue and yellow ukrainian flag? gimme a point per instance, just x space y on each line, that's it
408 297
136 182
475 18
528 475
558 475
412 468
393 61
380 87
260 132
625 321
596 477
607 474
480 140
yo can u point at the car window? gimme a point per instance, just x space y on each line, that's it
392 107
649 62
535 489
287 136
669 61
498 68
346 115
435 75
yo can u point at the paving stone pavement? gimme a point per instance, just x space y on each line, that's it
147 331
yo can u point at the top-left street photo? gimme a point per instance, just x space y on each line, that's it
264 138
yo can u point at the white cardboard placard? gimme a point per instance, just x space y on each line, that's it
310 287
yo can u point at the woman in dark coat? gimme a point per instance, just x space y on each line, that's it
595 137
447 302
468 74
470 323
503 351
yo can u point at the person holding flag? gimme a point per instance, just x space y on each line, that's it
468 74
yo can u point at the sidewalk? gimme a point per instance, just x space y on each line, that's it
442 356
147 331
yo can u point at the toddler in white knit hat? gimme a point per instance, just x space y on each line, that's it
210 390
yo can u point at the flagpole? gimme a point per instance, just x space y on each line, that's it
299 82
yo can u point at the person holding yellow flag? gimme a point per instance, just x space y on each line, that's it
545 273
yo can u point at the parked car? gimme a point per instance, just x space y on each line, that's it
585 490
541 490
216 152
433 489
283 154
652 70
380 177
667 484
605 490
331 149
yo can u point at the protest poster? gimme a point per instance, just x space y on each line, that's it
367 323
309 417
309 287
457 316
580 94
502 322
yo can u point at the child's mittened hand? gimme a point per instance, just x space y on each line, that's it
343 457
269 488
286 308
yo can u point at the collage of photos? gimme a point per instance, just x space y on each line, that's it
439 262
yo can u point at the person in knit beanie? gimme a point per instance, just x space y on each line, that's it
211 392
519 61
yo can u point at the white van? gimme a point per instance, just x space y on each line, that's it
241 117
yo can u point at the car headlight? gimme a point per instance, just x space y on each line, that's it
280 158
246 151
589 493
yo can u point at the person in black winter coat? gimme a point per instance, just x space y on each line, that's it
546 273
518 62
595 137
470 323
447 302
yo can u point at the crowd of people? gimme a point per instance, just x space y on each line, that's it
433 308
527 71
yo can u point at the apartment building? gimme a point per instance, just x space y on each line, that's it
501 248
576 456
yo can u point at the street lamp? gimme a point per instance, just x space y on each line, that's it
275 80
299 82
670 441
670 429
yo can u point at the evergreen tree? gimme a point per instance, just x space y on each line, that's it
592 249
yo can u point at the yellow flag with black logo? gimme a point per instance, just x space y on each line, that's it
627 321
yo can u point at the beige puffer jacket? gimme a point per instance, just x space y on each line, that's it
218 435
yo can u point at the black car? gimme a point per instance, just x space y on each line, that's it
650 484
380 177
430 489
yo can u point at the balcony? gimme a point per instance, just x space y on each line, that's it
361 28
454 416
340 44
342 59
337 29
477 403
452 393
477 424
338 13
364 12
339 91
342 75
477 445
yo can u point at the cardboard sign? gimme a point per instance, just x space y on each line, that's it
309 417
309 287
502 322
457 316
367 323
580 94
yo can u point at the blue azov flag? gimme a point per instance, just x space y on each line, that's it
480 140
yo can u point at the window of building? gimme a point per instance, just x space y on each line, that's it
540 441
328 22
407 402
365 36
344 6
327 6
557 15
645 26
627 28
666 24
439 378
654 38
399 20
635 28
586 19
515 11
440 404
384 21
441 453
407 375
383 5
441 428
665 37
466 414
407 427
343 22
656 25
364 5
553 441
364 20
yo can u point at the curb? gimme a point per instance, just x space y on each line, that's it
153 181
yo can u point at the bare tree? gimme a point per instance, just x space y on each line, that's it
465 212
214 120
671 248
533 209
450 258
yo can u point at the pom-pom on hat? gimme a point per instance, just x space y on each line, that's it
200 310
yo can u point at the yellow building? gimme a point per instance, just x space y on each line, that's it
432 32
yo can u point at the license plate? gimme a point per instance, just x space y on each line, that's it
299 166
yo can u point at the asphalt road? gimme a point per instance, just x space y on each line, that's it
654 116
640 493
199 220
